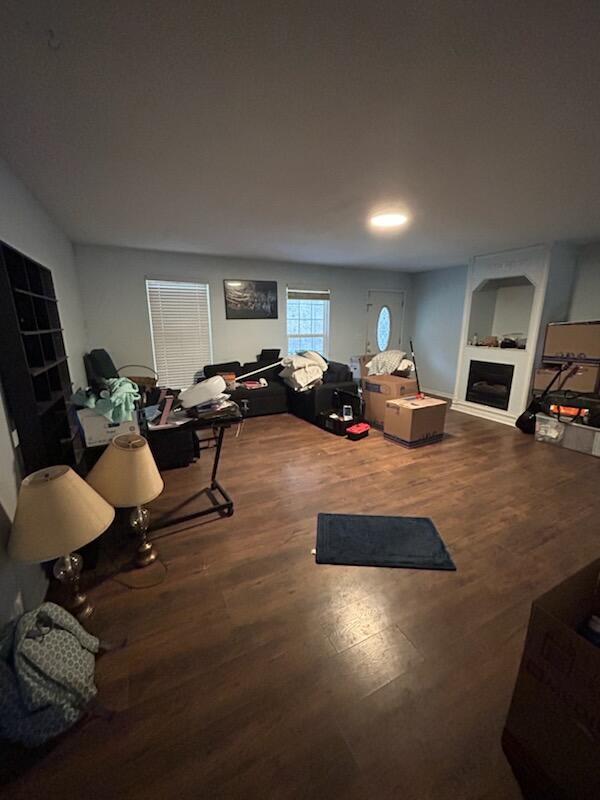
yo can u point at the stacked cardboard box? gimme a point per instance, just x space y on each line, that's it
552 734
573 341
378 389
585 379
415 421
578 342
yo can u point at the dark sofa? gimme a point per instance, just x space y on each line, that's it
271 399
308 405
276 397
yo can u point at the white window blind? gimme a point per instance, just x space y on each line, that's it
308 320
180 327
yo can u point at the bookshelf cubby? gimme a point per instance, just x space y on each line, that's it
33 364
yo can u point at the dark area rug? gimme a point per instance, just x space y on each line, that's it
371 541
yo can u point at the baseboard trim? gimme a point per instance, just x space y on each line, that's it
438 393
483 413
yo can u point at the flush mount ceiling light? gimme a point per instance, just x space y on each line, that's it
388 220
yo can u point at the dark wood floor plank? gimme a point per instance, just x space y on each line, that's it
252 672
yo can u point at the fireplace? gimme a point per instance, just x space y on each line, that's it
489 384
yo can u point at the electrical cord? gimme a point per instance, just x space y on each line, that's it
117 569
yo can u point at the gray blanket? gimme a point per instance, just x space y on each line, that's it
47 663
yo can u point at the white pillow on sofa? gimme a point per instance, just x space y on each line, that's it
318 359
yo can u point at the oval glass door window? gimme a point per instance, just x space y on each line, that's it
384 328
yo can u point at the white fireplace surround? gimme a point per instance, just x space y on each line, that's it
550 270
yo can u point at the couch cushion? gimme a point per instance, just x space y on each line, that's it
337 373
271 399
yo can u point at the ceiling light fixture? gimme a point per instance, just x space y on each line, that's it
388 220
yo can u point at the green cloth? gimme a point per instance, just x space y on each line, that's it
119 403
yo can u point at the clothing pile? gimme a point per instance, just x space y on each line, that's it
116 399
390 362
47 663
303 371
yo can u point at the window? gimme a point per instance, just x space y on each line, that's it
308 321
384 328
180 328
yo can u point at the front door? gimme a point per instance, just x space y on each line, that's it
384 321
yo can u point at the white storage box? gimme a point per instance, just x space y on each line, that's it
97 430
573 436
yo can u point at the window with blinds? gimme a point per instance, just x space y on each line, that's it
308 320
180 328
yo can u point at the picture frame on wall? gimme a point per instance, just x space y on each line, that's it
250 299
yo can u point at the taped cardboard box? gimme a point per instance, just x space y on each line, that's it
415 421
552 733
573 341
378 389
586 379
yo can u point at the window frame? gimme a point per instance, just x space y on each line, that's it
326 335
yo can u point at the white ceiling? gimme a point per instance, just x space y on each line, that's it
271 128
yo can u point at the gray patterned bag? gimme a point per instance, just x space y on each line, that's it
47 665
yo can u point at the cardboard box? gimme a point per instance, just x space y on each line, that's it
572 436
378 389
573 341
552 734
97 430
586 379
414 422
358 366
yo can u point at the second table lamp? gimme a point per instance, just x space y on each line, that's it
126 476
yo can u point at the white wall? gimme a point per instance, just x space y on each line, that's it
437 309
585 301
25 225
483 307
513 310
116 311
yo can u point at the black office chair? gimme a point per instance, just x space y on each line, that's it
99 367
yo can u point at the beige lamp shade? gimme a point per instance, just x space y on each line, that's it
126 474
57 513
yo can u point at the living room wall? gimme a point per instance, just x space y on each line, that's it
116 310
25 224
437 302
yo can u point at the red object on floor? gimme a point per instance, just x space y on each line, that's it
358 431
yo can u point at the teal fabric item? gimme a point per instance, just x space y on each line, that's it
119 403
47 663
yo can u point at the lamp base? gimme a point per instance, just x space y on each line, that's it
146 553
67 570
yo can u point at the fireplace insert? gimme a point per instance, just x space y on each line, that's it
489 384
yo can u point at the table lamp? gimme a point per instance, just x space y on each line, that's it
57 513
126 476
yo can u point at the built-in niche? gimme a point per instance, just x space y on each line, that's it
500 312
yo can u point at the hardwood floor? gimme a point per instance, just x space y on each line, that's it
251 672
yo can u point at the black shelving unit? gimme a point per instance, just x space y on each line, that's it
33 364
